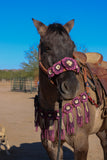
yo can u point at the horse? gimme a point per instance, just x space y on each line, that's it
64 76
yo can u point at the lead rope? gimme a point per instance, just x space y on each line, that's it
60 122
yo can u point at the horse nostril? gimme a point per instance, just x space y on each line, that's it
64 87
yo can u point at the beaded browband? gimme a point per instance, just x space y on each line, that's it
66 64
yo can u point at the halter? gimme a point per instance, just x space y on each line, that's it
65 64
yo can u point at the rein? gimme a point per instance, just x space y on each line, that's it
60 122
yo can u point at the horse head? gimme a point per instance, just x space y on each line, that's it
55 45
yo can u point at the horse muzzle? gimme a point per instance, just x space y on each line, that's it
68 89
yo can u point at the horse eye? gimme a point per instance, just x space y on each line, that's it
47 48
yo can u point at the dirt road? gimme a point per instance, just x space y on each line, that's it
17 115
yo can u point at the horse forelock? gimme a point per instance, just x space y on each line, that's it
58 28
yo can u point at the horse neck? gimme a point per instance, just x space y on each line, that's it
81 85
48 92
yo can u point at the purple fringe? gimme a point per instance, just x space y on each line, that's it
79 119
48 131
77 104
84 99
87 114
70 126
51 135
67 109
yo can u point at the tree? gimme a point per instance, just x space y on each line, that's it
32 60
81 48
31 63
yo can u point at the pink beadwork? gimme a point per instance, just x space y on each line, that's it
70 64
77 104
84 99
66 63
67 109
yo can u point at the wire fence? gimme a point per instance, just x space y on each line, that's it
24 85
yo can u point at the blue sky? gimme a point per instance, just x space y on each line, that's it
18 34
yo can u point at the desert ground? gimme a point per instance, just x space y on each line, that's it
17 116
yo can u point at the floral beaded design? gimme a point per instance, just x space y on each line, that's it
65 64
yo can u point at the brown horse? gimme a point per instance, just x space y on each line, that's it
64 75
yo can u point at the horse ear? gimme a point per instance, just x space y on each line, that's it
40 27
69 25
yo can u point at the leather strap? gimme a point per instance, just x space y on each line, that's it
96 86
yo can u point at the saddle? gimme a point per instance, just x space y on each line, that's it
95 64
98 70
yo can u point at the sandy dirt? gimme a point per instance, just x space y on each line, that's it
17 116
